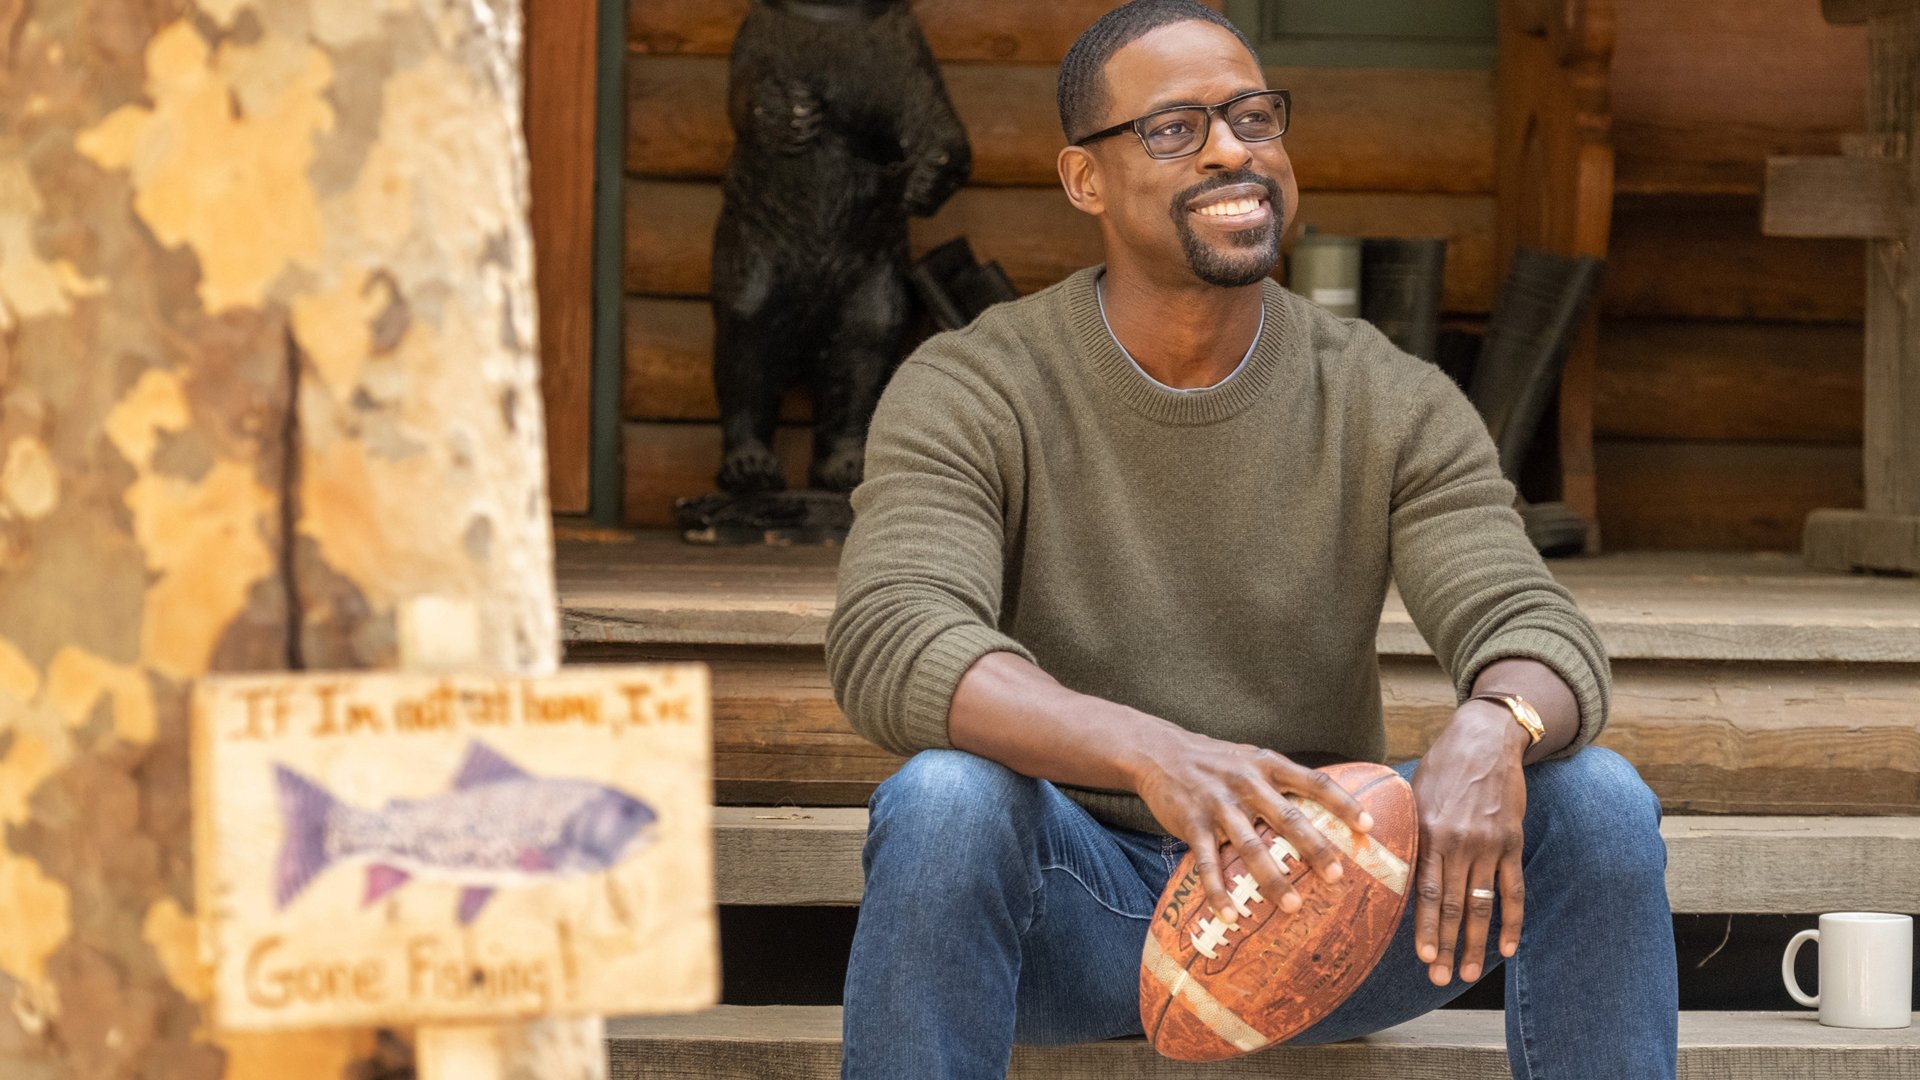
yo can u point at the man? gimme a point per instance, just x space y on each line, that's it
1114 582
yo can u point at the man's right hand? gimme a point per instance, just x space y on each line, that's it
1210 793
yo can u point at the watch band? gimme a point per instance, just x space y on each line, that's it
1523 713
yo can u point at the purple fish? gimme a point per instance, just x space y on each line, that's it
498 827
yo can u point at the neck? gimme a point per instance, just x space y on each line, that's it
1183 336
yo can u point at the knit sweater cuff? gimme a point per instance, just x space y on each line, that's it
936 674
1564 658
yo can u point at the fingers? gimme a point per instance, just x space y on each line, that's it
1479 913
1513 902
1302 840
1319 787
1206 861
1453 892
1427 891
1260 860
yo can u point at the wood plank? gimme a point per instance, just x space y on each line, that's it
561 44
1703 379
1704 257
652 589
1842 12
955 29
665 462
1702 93
1356 130
1742 865
1724 738
1658 378
802 1042
1857 540
1864 198
669 364
1039 238
1672 495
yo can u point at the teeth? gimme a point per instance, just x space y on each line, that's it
1231 208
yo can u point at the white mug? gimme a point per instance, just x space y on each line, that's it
1866 969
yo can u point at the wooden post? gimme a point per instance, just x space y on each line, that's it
266 375
1554 177
1873 194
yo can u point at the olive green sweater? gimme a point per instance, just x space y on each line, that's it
1219 559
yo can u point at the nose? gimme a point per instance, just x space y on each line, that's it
1223 152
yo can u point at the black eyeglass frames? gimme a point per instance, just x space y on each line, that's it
1183 129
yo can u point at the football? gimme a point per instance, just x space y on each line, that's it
1208 991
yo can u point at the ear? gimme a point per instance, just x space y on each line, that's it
1080 176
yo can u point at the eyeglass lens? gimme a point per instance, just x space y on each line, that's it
1173 132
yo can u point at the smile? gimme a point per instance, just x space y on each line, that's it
1238 213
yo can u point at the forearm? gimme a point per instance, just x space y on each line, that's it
1544 690
1010 711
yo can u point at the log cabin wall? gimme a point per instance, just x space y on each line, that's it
1728 395
1378 152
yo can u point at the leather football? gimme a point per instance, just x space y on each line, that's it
1209 992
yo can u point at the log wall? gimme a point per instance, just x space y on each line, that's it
1728 395
1377 152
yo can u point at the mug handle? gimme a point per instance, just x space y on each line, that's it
1786 968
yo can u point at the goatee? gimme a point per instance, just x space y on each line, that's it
1248 255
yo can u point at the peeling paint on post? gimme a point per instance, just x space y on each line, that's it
266 374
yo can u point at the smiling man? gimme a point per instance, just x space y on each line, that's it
1114 582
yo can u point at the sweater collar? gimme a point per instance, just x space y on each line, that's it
1160 403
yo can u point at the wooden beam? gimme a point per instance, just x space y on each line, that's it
990 30
1670 494
1848 541
1862 198
1039 238
655 590
1724 738
1744 865
1710 379
1703 257
1844 12
559 107
1356 130
802 1042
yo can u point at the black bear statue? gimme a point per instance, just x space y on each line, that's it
842 130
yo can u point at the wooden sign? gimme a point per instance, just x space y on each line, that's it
425 849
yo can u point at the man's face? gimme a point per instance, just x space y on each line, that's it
1216 215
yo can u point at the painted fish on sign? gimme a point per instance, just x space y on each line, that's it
498 827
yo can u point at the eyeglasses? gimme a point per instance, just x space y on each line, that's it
1260 116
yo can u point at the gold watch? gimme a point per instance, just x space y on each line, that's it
1526 715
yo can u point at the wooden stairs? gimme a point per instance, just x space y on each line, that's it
1776 712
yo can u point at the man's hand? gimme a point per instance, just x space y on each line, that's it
1471 798
1207 792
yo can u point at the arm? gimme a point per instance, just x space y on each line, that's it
917 659
1498 622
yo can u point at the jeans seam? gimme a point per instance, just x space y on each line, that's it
1519 1005
1097 898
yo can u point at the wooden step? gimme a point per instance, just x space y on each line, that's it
803 1043
654 589
1776 703
1728 738
1720 865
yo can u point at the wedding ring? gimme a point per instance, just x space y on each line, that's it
1481 894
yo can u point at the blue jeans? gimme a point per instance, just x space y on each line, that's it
997 911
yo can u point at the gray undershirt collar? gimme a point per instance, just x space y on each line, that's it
1100 293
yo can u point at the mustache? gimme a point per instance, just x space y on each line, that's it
1207 187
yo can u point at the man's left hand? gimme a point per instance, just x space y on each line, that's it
1471 797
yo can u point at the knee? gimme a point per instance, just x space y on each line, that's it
1600 816
950 798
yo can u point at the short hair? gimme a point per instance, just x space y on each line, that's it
1083 79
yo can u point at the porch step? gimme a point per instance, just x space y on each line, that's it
1719 865
1788 729
803 1043
654 589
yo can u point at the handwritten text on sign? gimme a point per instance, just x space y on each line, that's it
422 848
